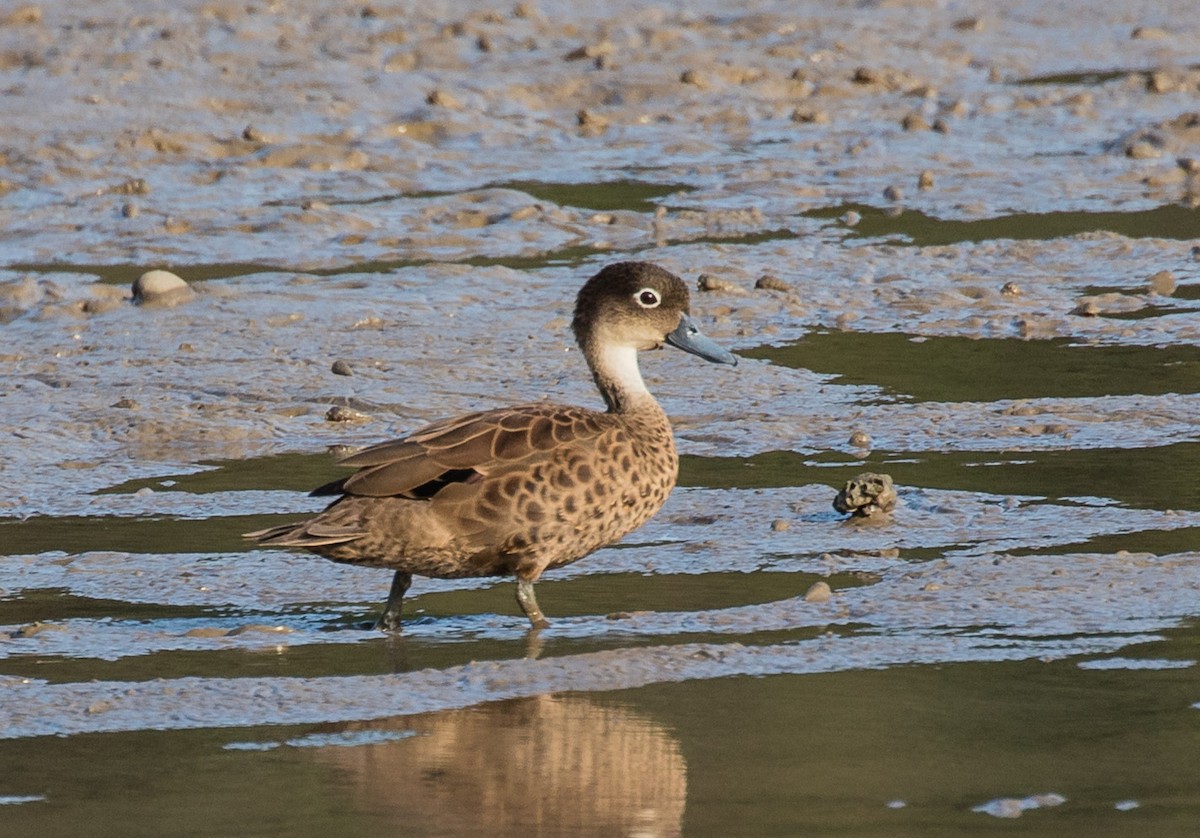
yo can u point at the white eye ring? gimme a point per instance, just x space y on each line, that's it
647 298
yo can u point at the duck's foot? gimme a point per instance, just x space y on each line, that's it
389 620
529 605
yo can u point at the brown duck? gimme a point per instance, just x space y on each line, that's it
517 490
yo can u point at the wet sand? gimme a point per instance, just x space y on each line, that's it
951 244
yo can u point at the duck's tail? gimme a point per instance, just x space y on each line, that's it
310 533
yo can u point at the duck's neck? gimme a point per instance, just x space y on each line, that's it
615 369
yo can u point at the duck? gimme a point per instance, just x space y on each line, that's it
516 491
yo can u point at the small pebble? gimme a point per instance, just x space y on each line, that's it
441 99
708 282
1159 83
893 193
809 116
772 283
860 439
1162 283
1010 289
1087 308
1143 150
340 413
1149 33
591 122
160 288
126 404
133 186
914 122
818 591
925 180
780 525
851 218
130 210
340 367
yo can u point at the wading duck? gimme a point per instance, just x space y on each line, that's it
517 490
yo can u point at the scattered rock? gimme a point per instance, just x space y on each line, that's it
340 367
36 628
590 51
866 495
818 591
925 180
1086 308
772 283
1149 33
161 288
1110 303
850 218
341 413
1179 136
1011 289
439 98
1161 283
780 525
1143 150
860 439
810 116
893 193
708 282
132 186
914 121
591 122
126 404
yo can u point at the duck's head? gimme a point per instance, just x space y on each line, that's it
627 307
638 305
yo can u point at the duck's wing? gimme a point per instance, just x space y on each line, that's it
465 450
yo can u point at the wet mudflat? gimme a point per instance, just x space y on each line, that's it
950 244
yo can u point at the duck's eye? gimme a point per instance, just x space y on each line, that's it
647 298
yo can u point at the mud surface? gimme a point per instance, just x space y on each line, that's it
952 243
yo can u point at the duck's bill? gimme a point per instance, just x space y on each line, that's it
688 337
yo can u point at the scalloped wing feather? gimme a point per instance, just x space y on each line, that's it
480 442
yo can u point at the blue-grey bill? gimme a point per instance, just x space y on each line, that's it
688 337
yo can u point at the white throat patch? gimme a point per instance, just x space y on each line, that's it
620 364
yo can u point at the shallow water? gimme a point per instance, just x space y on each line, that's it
418 192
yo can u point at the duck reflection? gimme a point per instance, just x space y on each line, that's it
547 765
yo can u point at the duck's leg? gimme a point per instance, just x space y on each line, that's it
528 603
390 619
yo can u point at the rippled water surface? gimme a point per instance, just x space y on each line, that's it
976 228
